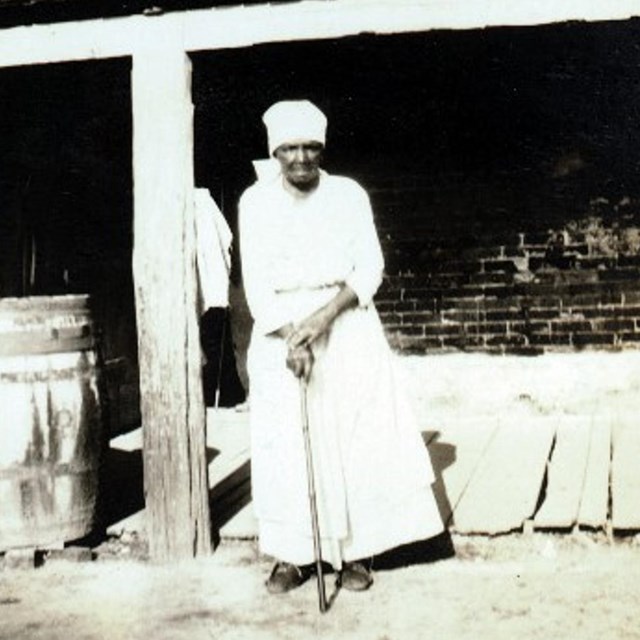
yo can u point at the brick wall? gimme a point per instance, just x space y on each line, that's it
500 267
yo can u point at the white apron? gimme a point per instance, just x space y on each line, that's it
372 469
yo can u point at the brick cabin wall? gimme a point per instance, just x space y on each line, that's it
478 264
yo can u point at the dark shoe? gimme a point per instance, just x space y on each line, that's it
285 576
356 576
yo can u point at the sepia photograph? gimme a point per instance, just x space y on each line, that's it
319 319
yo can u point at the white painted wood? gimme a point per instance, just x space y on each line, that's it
241 26
625 488
505 488
228 439
172 407
229 473
594 506
566 474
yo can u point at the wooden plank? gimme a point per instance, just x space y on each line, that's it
240 475
455 452
243 524
504 490
172 406
228 439
310 20
594 506
24 558
565 474
229 504
244 26
625 488
230 477
228 444
229 473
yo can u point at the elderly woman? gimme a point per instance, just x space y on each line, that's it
312 263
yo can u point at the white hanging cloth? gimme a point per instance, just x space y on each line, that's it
213 251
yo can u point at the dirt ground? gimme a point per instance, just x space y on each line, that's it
574 586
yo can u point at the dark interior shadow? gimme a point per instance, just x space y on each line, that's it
220 380
439 547
122 492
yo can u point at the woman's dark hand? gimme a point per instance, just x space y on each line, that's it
300 362
319 323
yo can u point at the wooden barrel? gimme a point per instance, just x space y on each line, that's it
50 421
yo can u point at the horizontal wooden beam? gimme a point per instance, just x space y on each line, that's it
230 27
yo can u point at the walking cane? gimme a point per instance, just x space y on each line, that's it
322 597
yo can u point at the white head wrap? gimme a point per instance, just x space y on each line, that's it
294 120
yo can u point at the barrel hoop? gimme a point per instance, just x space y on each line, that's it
45 470
61 340
50 375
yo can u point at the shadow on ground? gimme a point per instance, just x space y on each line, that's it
443 455
423 552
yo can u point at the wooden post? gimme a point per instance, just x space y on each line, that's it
172 407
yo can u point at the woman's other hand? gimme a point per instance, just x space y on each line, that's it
310 329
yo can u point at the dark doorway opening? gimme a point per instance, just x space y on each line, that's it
534 103
67 206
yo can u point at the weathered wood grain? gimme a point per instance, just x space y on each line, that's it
456 453
565 474
243 26
625 488
506 485
172 408
594 506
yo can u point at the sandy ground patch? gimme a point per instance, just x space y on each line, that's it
531 587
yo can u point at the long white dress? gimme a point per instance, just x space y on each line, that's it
372 470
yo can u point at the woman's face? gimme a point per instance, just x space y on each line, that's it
300 163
